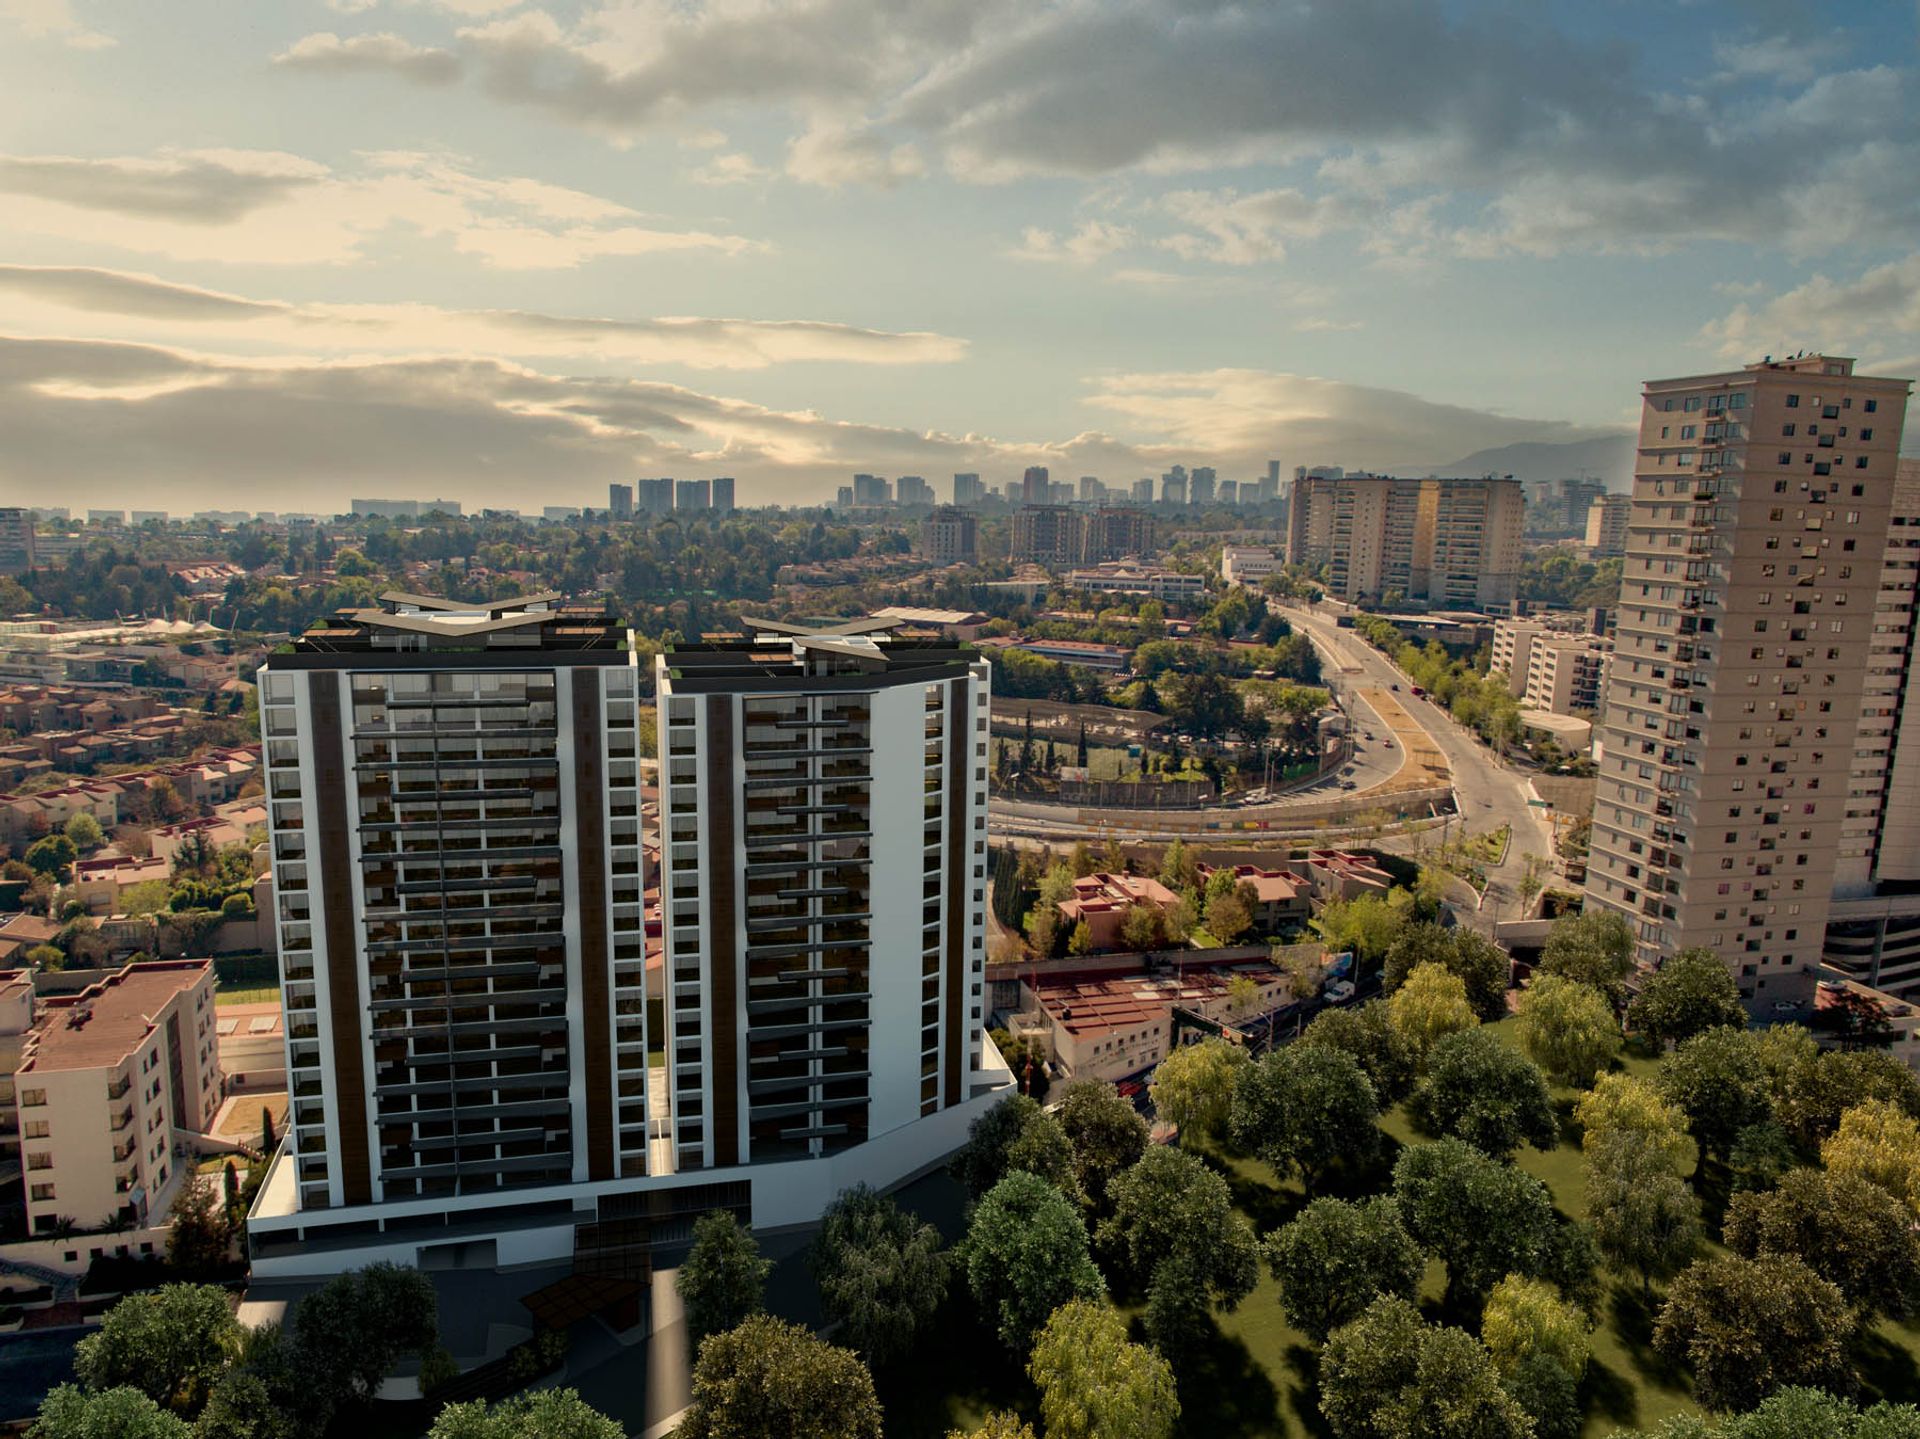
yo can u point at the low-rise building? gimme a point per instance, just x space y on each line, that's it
113 1083
1101 902
1101 1025
1125 577
1248 564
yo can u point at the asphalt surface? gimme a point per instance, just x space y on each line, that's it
1489 791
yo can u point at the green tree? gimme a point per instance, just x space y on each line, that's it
881 1272
123 1412
1015 1134
351 1332
768 1379
1193 1087
1480 1089
1625 1103
1093 1383
1174 1224
1594 947
1689 994
1526 1317
1717 1081
1026 1255
998 1425
1107 1133
1305 1107
1568 1029
51 856
1431 1004
1644 1216
538 1414
1880 1144
199 1229
1747 1327
1481 1218
1335 1258
723 1278
1846 1229
1391 1375
85 832
1367 1033
171 1344
1482 966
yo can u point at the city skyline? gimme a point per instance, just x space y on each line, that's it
464 246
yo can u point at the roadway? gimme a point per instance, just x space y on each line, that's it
1489 792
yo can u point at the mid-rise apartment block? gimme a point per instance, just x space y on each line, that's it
456 827
1763 501
1449 542
1607 526
16 540
950 536
112 1084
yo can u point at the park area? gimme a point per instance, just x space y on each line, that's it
1249 1372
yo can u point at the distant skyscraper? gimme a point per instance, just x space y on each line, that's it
620 501
1750 668
723 495
693 495
1034 488
967 489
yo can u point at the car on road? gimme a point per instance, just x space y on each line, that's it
1340 991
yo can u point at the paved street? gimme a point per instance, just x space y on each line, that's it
1490 792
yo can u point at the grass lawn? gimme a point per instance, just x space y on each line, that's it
1255 1375
262 994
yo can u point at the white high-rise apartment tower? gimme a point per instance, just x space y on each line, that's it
1761 512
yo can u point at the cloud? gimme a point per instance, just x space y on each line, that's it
118 420
730 167
49 297
836 154
1094 240
1855 316
53 20
258 207
326 51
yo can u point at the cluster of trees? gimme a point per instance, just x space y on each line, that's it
1048 1192
174 1362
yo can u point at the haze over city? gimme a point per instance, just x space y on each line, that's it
466 247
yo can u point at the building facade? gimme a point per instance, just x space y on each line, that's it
457 842
111 1084
1762 508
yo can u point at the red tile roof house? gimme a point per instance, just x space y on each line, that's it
1102 900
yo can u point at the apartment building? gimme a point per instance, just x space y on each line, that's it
1566 674
111 1084
1763 502
823 811
950 536
1607 526
16 540
458 852
1452 543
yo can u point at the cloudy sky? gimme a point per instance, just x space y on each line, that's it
273 253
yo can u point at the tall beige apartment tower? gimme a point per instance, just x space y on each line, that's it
1762 503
